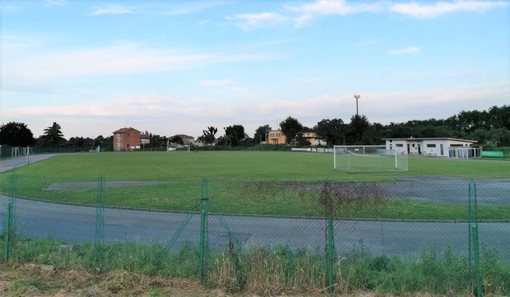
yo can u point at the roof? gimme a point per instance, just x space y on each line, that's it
124 130
431 138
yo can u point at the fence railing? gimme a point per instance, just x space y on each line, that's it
218 227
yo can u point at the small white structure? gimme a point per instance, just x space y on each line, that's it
434 146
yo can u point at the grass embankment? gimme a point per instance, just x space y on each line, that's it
241 182
135 269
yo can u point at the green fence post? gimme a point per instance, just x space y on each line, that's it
7 231
474 246
330 254
99 234
203 231
10 226
476 250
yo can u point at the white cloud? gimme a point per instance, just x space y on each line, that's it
112 9
116 59
55 2
404 51
424 11
307 12
169 115
224 84
250 21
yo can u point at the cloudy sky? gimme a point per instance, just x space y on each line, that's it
171 67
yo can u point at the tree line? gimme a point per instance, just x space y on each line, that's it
488 128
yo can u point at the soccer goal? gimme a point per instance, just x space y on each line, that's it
368 158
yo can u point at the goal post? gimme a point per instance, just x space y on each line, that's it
368 158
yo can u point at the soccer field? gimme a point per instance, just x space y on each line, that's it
264 183
245 165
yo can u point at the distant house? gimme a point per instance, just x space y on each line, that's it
145 138
276 137
434 146
312 138
126 139
186 139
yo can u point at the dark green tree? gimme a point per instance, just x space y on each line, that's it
357 127
209 135
261 133
332 131
291 128
16 134
53 136
234 135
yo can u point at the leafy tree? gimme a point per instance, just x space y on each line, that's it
261 133
499 117
16 134
332 131
357 127
291 128
53 136
209 135
234 135
176 139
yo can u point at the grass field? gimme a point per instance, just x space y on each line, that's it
239 182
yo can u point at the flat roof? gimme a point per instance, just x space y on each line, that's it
430 138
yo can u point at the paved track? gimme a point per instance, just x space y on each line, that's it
9 164
77 224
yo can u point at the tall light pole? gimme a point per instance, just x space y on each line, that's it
356 97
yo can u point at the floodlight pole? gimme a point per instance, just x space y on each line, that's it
356 97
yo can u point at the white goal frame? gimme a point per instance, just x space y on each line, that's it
368 158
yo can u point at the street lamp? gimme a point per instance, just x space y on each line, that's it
357 97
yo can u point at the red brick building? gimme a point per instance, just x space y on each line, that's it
126 139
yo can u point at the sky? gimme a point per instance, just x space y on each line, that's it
178 67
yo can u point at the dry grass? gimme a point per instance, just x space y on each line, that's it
45 281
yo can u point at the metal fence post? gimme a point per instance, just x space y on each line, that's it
10 226
330 254
203 231
474 247
99 234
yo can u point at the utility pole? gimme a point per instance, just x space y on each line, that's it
356 97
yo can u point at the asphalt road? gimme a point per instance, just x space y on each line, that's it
77 224
11 163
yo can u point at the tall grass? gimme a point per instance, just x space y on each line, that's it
276 270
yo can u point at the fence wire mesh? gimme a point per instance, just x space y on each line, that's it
174 220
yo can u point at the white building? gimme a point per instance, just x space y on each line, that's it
434 146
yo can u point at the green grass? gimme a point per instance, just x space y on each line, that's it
262 270
240 182
244 165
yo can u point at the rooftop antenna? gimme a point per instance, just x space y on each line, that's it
357 97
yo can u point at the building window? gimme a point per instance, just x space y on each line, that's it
431 145
399 145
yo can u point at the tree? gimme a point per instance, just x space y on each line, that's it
261 133
234 135
291 127
209 135
332 131
357 127
176 140
16 134
53 136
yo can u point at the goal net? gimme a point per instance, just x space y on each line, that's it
368 158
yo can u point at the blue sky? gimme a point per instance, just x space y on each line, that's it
171 67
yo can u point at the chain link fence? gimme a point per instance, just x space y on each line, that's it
215 228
